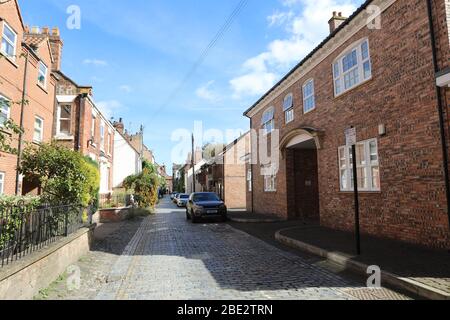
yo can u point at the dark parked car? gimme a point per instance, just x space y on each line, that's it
205 205
182 200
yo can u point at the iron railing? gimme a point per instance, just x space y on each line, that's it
24 231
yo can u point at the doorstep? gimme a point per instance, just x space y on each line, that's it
421 271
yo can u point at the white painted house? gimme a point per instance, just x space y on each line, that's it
127 160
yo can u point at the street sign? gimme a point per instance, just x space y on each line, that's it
350 137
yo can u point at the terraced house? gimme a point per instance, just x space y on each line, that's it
385 71
27 86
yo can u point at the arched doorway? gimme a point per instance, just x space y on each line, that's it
300 151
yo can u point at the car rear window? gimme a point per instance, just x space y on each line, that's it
206 197
184 196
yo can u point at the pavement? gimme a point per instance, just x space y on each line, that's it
427 267
165 257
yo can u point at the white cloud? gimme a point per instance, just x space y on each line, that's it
204 92
306 25
109 107
95 62
125 88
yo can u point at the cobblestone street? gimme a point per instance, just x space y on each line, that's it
170 258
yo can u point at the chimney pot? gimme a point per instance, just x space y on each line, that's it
27 29
55 31
35 30
45 30
336 20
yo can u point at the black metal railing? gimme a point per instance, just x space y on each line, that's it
24 231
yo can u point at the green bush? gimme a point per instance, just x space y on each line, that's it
144 186
65 176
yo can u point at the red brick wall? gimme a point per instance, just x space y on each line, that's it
401 95
41 100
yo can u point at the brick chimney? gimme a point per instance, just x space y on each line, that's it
336 20
119 126
56 45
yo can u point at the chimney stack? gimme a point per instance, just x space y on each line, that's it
336 20
119 126
56 45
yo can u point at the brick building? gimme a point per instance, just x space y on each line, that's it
81 126
226 174
382 81
24 56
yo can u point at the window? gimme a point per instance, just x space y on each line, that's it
269 179
4 110
65 120
309 102
110 143
93 128
367 163
249 180
102 136
9 39
38 129
288 108
267 121
2 182
353 68
42 77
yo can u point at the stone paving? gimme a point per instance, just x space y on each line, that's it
169 258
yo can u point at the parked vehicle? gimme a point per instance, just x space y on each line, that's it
205 205
172 195
175 198
182 200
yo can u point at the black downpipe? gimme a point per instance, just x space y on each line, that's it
440 110
22 111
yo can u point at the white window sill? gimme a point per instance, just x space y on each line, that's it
309 111
352 88
64 137
9 59
43 88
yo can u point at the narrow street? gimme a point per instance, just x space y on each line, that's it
170 258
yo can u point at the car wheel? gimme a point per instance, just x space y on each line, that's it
188 217
224 218
194 219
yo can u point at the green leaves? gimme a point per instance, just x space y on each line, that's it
65 176
144 185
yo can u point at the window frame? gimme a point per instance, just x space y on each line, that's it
2 182
14 45
59 119
41 132
249 180
288 108
8 111
339 75
93 129
270 181
368 167
307 97
268 122
40 73
102 136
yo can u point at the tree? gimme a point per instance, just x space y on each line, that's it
144 185
65 176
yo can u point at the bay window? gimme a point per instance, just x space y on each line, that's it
65 120
352 68
367 165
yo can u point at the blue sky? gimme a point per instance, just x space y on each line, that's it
136 52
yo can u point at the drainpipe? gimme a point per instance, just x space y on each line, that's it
440 110
251 164
22 109
79 126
